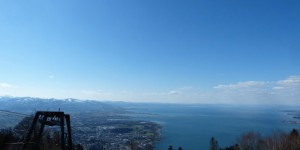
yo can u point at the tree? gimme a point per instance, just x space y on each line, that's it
251 141
276 141
7 136
22 127
78 147
213 144
170 147
293 141
233 147
294 134
179 148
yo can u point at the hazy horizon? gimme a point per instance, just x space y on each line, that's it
146 103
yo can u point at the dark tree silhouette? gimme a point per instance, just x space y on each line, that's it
276 141
213 144
293 141
78 147
22 127
233 147
294 134
7 136
250 141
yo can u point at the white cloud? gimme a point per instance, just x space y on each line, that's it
247 84
292 81
5 85
281 91
278 88
8 89
173 92
248 92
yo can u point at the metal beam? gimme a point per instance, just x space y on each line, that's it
45 115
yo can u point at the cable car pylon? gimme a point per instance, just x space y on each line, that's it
49 118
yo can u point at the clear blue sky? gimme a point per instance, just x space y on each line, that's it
204 51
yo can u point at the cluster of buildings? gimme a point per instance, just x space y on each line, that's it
117 135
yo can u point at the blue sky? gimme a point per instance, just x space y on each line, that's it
173 51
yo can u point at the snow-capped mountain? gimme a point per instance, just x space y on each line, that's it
70 105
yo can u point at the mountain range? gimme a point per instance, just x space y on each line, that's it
70 105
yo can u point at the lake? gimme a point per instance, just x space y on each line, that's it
192 126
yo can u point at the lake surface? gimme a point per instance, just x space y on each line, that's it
192 126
